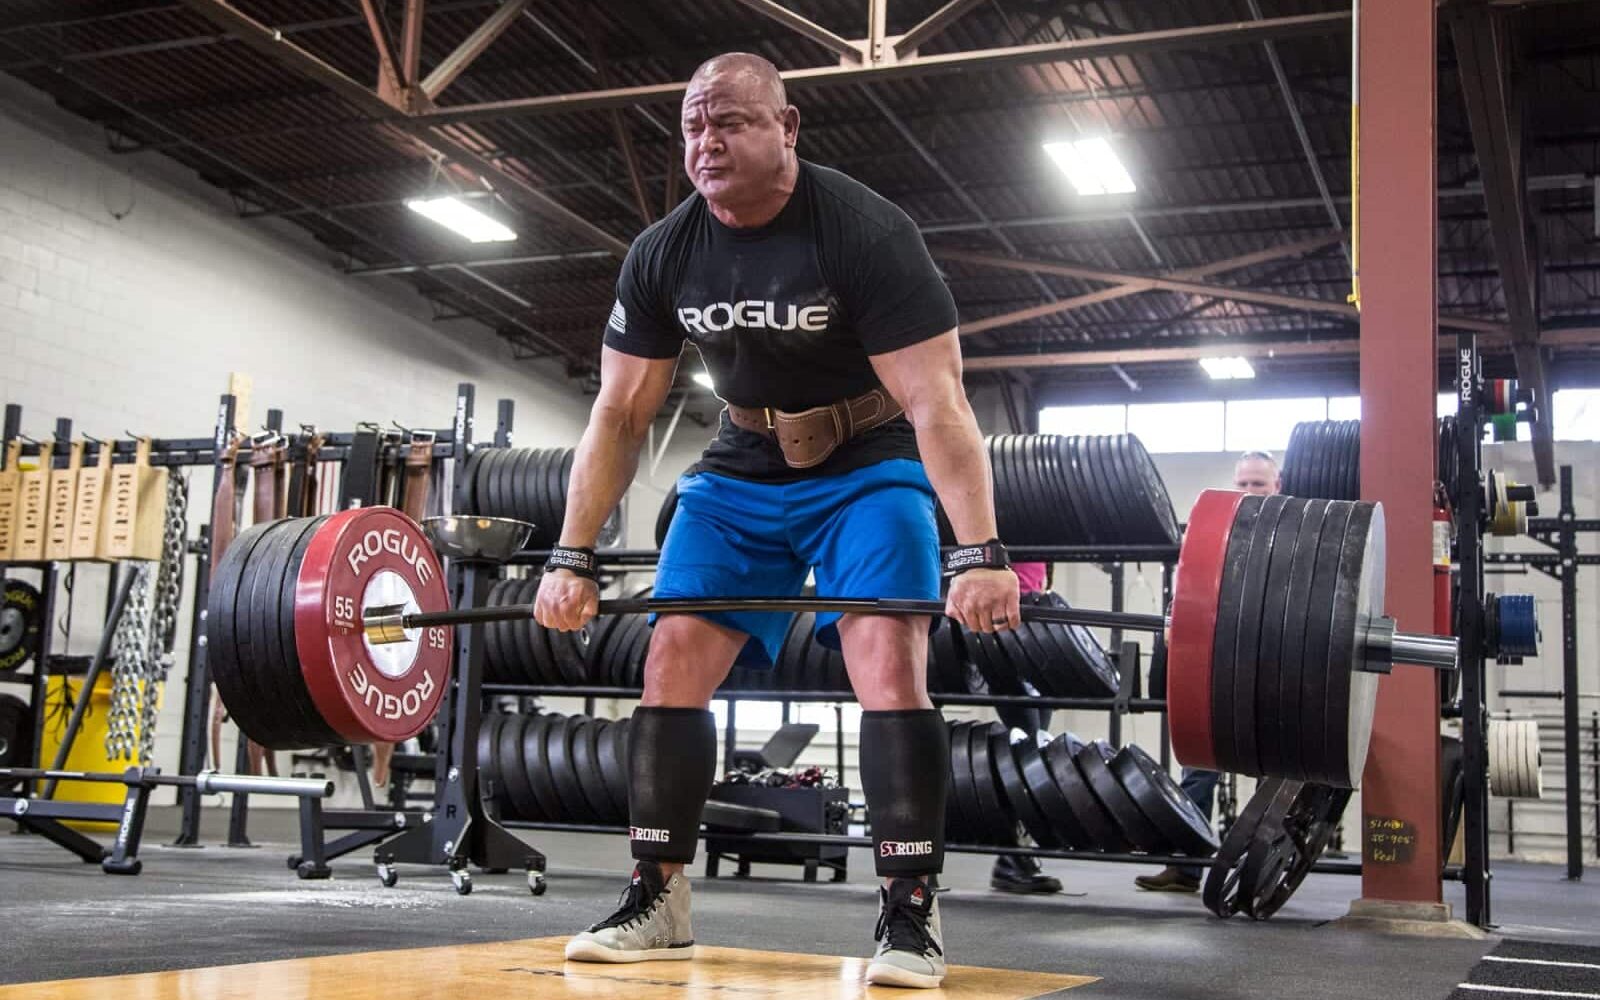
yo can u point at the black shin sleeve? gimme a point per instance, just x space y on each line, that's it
905 762
672 757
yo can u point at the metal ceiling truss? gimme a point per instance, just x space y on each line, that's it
1486 46
403 104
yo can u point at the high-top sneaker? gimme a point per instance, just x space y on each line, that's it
910 944
652 922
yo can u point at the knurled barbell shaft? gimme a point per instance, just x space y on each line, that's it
389 624
385 625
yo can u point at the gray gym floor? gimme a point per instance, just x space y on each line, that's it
215 906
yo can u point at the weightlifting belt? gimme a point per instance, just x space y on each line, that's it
360 485
419 466
267 460
303 473
222 503
808 437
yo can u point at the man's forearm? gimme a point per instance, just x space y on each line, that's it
602 470
958 467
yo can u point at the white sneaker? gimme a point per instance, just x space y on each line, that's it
652 923
910 942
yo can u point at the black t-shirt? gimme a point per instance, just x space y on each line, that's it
787 314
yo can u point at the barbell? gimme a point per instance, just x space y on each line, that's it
338 629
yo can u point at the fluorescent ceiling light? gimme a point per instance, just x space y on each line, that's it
704 378
457 215
1092 166
1220 368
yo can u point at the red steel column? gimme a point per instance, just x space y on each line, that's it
1397 59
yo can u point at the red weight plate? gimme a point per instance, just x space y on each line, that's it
363 557
1196 593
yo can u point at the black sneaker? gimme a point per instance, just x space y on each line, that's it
1020 873
910 943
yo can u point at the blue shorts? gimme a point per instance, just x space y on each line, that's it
866 533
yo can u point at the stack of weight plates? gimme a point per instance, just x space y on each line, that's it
1323 459
1054 490
617 647
1066 794
805 664
1058 661
1090 490
669 507
526 484
16 737
1452 785
555 768
525 652
1263 664
1514 759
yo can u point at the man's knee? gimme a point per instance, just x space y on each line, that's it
887 660
688 658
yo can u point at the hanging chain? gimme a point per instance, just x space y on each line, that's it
145 637
129 647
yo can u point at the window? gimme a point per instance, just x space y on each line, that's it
1575 414
766 716
1448 405
1111 419
1168 427
1344 407
1264 424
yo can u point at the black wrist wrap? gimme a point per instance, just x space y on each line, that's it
578 561
989 555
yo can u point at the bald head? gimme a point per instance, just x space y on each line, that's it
747 72
739 134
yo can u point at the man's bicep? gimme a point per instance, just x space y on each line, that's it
634 386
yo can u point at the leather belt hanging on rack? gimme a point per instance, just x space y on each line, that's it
361 486
303 455
267 460
418 475
224 501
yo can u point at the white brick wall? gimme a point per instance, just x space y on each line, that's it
133 324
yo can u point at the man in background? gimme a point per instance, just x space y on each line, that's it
1255 472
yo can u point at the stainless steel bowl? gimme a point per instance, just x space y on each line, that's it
492 538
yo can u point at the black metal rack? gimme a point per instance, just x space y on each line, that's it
1560 535
1132 698
448 443
44 809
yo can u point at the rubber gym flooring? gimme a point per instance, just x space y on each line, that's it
194 909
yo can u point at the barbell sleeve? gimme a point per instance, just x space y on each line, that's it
205 781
